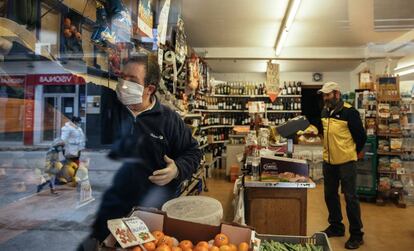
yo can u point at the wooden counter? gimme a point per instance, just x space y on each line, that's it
279 211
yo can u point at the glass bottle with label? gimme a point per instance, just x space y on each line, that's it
289 89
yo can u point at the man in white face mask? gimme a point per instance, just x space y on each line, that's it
157 147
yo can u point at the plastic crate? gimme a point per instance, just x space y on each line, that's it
319 239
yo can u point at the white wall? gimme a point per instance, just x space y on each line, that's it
254 77
342 78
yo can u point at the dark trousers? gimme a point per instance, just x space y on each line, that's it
344 174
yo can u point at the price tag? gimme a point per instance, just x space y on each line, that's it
400 170
122 233
130 231
139 229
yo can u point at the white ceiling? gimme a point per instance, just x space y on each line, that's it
232 23
255 24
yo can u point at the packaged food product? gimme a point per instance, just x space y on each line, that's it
383 145
384 163
384 184
384 110
383 128
395 163
396 144
394 128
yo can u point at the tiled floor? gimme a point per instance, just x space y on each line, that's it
386 228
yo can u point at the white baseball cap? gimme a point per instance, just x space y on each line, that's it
329 87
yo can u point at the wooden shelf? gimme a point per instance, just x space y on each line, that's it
284 111
389 134
191 115
389 153
388 99
251 96
387 171
211 162
203 146
236 96
237 135
216 126
220 141
223 111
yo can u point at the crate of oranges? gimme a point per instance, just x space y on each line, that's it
178 235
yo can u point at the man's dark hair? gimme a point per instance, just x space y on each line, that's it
75 119
153 74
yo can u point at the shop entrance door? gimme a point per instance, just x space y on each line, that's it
57 110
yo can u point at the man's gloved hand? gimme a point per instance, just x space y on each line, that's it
5 46
163 176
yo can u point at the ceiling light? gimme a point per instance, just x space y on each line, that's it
406 71
293 8
292 13
281 42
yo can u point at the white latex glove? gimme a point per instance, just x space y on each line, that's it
163 176
5 46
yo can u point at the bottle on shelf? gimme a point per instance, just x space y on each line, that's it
284 88
299 88
294 89
289 89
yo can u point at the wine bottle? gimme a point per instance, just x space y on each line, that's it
289 89
294 89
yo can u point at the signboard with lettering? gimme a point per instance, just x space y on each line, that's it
55 79
272 80
12 80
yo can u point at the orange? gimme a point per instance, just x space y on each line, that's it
150 246
176 249
158 234
163 247
225 247
201 248
243 246
202 244
187 249
185 244
165 240
214 248
233 247
220 240
136 248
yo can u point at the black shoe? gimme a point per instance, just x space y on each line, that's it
333 232
353 243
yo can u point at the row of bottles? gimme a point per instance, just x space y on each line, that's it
202 138
218 134
290 104
222 104
290 88
277 119
240 88
226 119
217 150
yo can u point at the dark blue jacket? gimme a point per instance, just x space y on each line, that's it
143 142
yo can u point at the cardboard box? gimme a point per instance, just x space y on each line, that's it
272 167
185 230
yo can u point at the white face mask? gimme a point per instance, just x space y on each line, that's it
129 93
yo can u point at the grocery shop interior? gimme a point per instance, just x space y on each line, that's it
206 125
